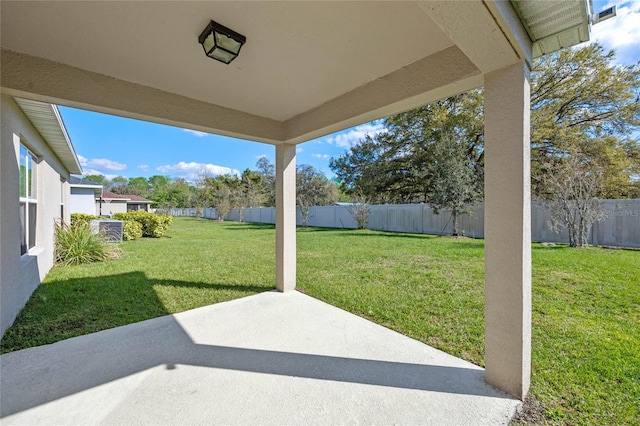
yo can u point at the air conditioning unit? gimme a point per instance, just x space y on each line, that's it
111 229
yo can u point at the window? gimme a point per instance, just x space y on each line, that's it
61 201
135 207
28 199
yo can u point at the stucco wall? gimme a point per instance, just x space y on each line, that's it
112 207
20 275
82 200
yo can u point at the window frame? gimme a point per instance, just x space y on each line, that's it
28 199
62 182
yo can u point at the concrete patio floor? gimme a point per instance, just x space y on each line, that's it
271 358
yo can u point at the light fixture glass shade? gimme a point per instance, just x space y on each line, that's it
227 43
222 55
209 43
221 43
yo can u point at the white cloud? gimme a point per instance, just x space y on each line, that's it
144 167
321 156
197 133
191 171
299 149
104 163
87 172
101 164
352 136
621 32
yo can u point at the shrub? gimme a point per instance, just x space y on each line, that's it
131 230
77 218
79 244
360 209
153 225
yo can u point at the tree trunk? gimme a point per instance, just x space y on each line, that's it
454 217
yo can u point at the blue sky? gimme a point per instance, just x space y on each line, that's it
115 146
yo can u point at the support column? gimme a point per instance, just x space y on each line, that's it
507 225
285 217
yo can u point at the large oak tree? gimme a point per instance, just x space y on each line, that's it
582 103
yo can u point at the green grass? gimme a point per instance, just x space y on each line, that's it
586 335
197 264
586 311
586 302
427 287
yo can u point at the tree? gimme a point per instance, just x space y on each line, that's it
223 202
179 193
313 188
251 192
573 184
202 194
167 193
223 190
119 185
397 165
432 154
139 186
583 104
159 181
99 179
268 173
453 180
366 169
160 190
360 210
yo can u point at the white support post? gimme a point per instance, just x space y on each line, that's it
285 217
507 222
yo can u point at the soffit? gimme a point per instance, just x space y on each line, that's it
553 25
46 119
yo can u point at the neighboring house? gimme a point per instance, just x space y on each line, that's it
83 195
110 203
35 166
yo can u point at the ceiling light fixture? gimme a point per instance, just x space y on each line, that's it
221 43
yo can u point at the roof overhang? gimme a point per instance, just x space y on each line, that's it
45 117
553 25
114 199
97 189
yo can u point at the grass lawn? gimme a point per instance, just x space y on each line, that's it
586 303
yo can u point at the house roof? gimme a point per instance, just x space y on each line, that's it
307 69
108 195
46 118
139 199
79 181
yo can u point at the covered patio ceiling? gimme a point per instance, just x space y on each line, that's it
307 69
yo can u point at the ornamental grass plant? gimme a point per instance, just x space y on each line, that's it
78 244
